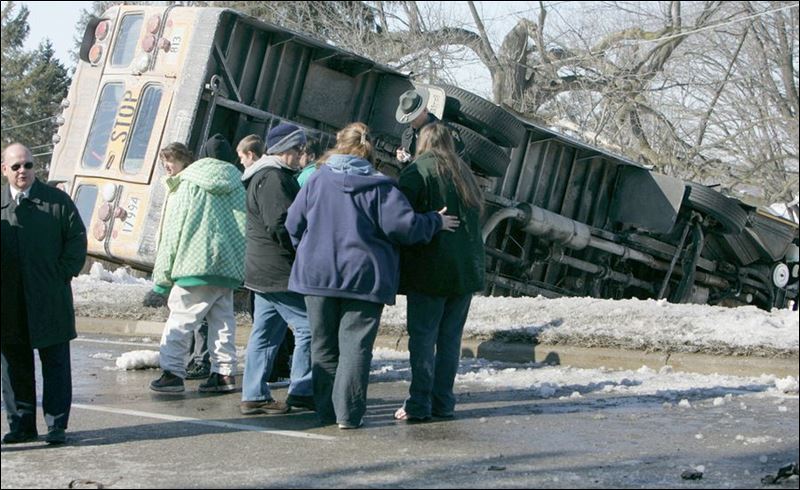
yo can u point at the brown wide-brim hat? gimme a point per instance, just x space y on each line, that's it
411 104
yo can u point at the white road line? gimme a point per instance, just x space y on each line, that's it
116 342
208 423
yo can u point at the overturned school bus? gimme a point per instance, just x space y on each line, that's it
563 218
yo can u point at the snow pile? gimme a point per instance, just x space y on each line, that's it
681 390
631 324
138 359
122 275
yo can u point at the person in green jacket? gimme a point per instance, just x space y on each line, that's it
308 160
200 262
440 277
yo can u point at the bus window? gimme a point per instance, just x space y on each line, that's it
142 127
85 198
127 39
103 121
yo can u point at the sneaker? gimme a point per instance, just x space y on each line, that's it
167 383
218 383
198 371
401 414
55 436
351 426
266 407
279 383
17 437
301 402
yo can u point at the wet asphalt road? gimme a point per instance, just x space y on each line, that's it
123 435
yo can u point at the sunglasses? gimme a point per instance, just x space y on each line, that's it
27 165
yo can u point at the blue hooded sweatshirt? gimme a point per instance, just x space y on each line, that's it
348 221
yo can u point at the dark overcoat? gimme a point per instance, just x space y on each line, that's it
43 248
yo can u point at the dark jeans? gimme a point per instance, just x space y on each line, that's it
19 386
343 333
435 325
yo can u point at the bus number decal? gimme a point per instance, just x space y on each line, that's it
132 208
124 120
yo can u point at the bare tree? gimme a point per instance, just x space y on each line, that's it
701 90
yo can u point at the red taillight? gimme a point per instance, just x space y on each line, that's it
95 54
148 43
153 24
101 31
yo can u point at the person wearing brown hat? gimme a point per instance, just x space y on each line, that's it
412 109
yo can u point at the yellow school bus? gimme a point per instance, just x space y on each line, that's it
151 75
563 218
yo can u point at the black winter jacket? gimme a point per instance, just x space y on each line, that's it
270 253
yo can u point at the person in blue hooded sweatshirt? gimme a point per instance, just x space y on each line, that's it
347 223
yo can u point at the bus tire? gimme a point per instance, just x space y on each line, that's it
724 210
485 157
483 117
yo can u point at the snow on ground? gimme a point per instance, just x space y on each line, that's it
676 389
138 359
587 322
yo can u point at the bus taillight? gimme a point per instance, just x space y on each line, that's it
101 31
153 24
95 54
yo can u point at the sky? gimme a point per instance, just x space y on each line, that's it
56 21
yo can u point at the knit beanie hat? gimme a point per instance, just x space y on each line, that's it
217 147
284 137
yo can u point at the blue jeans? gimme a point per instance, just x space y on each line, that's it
272 312
435 325
344 332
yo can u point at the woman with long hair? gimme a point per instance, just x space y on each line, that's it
349 220
439 277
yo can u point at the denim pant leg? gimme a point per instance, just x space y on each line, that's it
57 385
265 338
424 314
448 353
292 307
358 328
323 319
19 387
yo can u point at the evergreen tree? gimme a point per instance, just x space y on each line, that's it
33 85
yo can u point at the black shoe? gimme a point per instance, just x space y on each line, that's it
167 383
198 371
218 383
301 402
17 437
55 436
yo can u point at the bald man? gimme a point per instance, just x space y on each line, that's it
43 248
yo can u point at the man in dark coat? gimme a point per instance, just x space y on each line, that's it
412 109
43 247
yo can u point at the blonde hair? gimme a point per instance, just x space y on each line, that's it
353 139
436 138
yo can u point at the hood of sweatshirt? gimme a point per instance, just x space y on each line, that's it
212 175
265 161
354 174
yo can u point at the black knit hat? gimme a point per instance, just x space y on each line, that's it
217 147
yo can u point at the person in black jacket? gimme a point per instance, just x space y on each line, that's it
271 188
440 277
43 247
412 109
